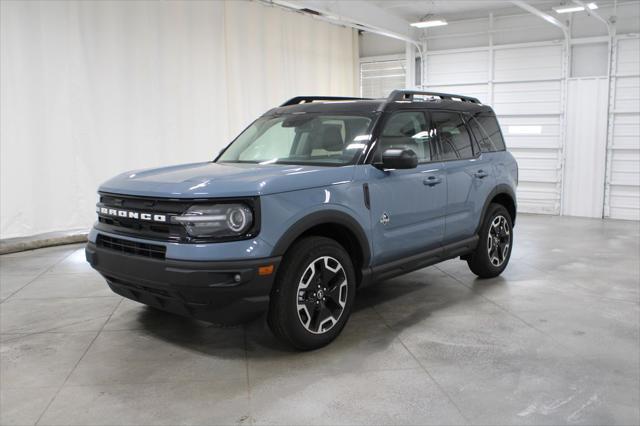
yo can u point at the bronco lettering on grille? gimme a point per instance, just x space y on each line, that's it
107 211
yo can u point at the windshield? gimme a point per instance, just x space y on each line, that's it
320 139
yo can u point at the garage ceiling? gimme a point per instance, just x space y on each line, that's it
412 10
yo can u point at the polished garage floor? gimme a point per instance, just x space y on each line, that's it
555 340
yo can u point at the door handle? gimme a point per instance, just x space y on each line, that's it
481 174
432 180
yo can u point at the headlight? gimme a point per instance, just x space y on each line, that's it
218 220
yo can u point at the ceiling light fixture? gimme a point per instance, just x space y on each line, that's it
428 23
574 8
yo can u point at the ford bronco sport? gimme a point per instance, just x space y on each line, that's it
315 199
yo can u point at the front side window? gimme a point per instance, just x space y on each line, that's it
407 130
322 139
454 142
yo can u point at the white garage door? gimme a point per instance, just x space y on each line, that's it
527 98
524 84
444 73
622 196
379 78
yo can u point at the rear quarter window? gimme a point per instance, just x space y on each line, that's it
487 132
453 137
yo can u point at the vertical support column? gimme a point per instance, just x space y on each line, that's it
565 73
355 46
611 95
611 125
566 70
491 60
423 65
564 102
410 61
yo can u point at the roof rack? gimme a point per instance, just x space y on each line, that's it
307 99
407 95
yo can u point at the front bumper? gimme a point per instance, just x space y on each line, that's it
217 291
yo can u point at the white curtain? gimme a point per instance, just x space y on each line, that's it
92 89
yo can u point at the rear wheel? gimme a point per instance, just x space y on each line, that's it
496 241
313 294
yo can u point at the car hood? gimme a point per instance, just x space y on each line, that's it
204 180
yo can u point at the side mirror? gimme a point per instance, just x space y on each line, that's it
398 158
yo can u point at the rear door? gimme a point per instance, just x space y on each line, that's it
469 175
407 206
484 127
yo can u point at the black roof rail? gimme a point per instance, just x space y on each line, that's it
306 99
407 95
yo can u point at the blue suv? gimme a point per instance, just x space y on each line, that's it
315 199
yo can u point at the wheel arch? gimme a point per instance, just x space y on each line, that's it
504 195
337 225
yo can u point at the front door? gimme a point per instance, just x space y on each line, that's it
407 206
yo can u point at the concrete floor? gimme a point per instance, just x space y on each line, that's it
555 340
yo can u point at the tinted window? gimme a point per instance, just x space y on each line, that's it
407 130
454 142
301 138
487 132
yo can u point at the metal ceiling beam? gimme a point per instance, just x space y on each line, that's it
596 15
358 14
552 20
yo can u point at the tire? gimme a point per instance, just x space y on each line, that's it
490 259
302 314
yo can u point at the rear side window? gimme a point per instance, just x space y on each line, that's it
407 130
454 141
487 132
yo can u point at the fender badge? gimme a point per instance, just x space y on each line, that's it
384 219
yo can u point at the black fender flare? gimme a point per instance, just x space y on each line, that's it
499 189
321 218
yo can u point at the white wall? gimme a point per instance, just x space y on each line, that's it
377 45
585 147
91 89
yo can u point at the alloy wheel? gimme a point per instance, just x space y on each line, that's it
498 240
322 294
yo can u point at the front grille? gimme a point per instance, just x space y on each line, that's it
154 251
169 207
138 228
163 231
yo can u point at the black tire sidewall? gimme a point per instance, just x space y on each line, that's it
296 261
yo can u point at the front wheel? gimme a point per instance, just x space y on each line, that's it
313 293
496 241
